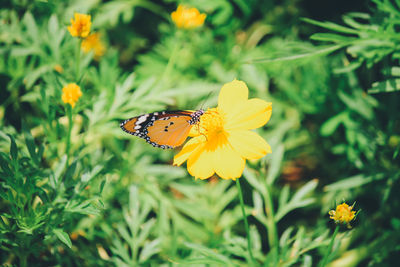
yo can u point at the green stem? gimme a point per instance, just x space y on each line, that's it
23 260
68 141
329 249
78 59
273 239
246 224
23 251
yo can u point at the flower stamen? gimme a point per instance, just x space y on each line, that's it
211 126
343 214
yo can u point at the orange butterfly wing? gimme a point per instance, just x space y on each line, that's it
170 132
166 129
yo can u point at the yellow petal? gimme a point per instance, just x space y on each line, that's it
232 94
194 131
252 114
249 144
188 149
228 164
200 164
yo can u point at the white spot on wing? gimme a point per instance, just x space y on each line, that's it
142 119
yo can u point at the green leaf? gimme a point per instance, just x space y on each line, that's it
30 144
87 176
210 254
63 236
149 249
284 195
390 85
35 74
4 164
316 52
85 207
396 152
275 164
332 37
13 148
331 26
70 173
32 29
59 169
352 182
304 190
359 103
349 19
330 126
298 200
102 184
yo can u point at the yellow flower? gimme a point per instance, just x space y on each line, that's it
187 18
93 42
71 94
222 141
58 68
80 27
342 214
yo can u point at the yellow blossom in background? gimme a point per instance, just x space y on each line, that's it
71 93
187 18
222 141
58 68
343 214
93 42
80 27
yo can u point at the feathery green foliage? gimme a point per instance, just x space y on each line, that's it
76 190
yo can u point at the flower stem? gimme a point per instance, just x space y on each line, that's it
77 59
328 250
23 259
68 141
246 224
273 239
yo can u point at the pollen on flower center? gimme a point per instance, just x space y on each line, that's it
212 127
343 214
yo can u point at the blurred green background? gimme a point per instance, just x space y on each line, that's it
75 190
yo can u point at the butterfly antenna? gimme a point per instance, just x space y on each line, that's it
206 99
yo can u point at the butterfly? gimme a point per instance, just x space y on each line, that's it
165 129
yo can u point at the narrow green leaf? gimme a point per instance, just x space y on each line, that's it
332 37
317 52
210 254
13 148
284 195
391 85
4 163
30 23
396 152
275 164
102 184
87 176
304 190
352 182
331 26
63 236
30 144
330 126
149 249
60 168
70 172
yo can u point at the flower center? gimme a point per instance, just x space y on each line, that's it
212 127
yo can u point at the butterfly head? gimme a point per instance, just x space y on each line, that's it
196 116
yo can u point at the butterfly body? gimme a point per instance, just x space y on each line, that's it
165 129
